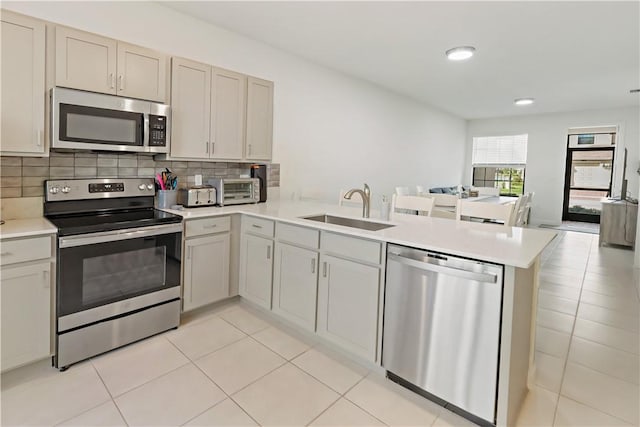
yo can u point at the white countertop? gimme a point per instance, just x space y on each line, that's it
513 246
14 228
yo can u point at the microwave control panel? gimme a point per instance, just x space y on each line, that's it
157 131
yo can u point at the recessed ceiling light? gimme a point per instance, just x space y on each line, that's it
523 101
460 53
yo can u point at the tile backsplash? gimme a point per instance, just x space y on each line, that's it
24 176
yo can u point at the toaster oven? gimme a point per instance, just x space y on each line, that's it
235 191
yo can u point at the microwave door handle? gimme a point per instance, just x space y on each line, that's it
145 134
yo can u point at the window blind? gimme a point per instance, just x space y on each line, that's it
500 150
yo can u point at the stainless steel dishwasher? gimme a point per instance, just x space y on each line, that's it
442 329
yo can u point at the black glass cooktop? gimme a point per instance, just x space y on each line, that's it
116 220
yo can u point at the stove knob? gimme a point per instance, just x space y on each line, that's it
141 187
149 187
54 190
66 189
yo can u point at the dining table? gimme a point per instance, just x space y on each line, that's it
498 200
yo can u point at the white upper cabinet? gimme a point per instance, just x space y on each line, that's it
240 123
190 108
259 119
228 106
23 85
85 61
142 73
99 64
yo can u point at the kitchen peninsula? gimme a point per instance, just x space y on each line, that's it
269 238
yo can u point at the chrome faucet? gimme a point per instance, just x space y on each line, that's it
366 198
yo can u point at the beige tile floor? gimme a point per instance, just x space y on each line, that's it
233 367
587 337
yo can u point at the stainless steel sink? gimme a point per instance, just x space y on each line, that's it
348 222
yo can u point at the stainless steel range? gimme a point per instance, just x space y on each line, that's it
118 265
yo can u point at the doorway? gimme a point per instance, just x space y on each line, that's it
588 176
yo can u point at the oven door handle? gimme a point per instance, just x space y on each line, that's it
112 236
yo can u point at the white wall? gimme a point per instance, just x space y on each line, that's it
331 131
546 151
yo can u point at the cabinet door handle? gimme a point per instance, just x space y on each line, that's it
5 253
112 81
47 281
189 252
206 144
213 147
39 138
269 252
207 227
313 266
121 78
324 269
256 226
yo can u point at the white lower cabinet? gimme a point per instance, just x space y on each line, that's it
206 262
256 268
295 284
348 301
325 282
206 271
25 287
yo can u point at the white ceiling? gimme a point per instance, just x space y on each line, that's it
568 55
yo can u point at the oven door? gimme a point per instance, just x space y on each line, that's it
101 275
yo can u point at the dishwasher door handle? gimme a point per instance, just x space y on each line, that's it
451 271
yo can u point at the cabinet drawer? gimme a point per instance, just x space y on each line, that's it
302 236
352 247
25 250
198 227
258 226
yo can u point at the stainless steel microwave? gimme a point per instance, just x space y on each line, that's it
234 191
91 121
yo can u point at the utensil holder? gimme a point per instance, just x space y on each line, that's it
166 198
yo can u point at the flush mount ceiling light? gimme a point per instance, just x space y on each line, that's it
523 101
460 53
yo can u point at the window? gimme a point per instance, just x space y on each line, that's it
499 162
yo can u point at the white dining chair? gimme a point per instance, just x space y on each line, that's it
487 191
521 210
518 213
444 205
493 212
527 207
402 191
403 204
